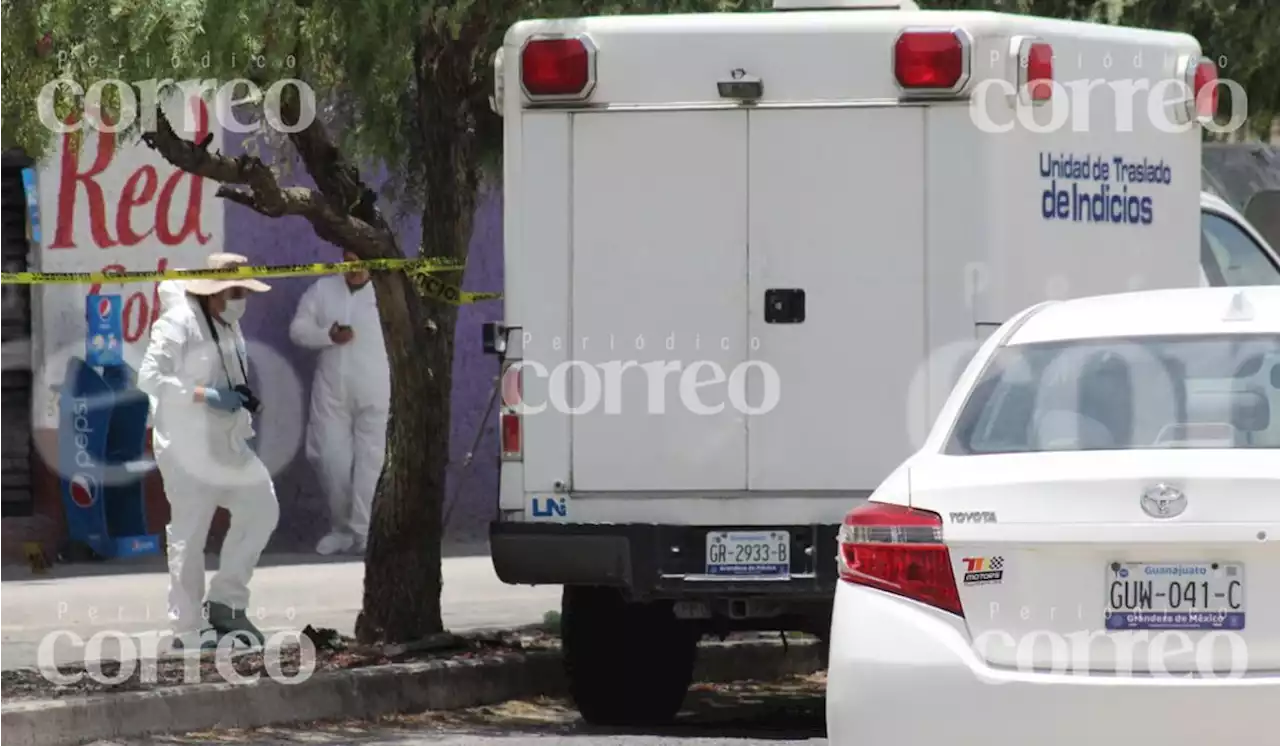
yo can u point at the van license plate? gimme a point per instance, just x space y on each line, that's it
749 554
1175 595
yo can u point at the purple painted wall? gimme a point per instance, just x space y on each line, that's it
303 511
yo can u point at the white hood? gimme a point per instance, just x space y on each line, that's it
171 292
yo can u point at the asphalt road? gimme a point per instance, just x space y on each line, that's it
745 714
63 609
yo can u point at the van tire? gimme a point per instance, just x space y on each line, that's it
628 664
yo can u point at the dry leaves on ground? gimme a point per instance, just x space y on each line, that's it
112 676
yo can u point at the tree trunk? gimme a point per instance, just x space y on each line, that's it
403 562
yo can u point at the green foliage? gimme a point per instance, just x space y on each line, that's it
133 41
1069 9
1244 37
363 57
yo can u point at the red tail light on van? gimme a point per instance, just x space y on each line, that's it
1039 67
898 550
558 68
931 61
1204 82
509 413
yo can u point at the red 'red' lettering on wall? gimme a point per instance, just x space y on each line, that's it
129 199
69 183
137 316
139 191
96 287
191 220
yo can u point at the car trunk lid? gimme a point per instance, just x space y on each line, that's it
1092 561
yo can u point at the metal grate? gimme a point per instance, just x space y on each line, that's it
15 381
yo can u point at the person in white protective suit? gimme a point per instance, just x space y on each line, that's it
350 399
195 371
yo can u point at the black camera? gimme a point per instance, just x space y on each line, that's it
251 402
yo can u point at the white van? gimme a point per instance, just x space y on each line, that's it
746 256
1232 251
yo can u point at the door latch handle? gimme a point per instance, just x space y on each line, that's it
784 306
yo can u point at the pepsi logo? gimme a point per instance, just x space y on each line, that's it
84 490
104 308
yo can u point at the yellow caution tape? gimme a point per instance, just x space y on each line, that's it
235 273
433 287
430 286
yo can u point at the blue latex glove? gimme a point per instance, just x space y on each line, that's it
224 399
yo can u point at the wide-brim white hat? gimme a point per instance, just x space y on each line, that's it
201 286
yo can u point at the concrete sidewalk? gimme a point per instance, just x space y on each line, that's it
287 594
366 694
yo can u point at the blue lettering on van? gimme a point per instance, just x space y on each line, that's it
549 507
1097 188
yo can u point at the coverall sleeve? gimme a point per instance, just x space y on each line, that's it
158 373
308 328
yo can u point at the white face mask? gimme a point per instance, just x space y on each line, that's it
234 310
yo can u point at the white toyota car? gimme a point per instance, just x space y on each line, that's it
1087 548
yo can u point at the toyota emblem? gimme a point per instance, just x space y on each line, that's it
1163 501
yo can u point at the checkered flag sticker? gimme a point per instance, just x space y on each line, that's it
997 563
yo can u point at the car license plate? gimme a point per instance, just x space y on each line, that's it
749 554
1175 595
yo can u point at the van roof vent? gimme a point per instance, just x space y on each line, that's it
844 5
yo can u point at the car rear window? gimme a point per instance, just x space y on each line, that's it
1118 394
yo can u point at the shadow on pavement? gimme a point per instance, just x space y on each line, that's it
786 710
789 710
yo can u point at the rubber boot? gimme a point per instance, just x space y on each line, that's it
228 621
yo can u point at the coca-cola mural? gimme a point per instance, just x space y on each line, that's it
116 205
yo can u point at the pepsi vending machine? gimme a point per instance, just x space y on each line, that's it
101 443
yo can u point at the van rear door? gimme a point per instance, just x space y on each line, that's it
658 279
837 206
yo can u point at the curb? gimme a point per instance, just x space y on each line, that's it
356 694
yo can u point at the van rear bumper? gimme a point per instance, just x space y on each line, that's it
651 560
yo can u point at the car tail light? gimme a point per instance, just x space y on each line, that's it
1039 71
509 413
898 550
1202 77
559 69
931 61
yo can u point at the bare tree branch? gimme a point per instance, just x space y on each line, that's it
265 195
334 176
337 179
244 199
293 201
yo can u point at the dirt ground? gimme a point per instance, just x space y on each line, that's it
330 652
